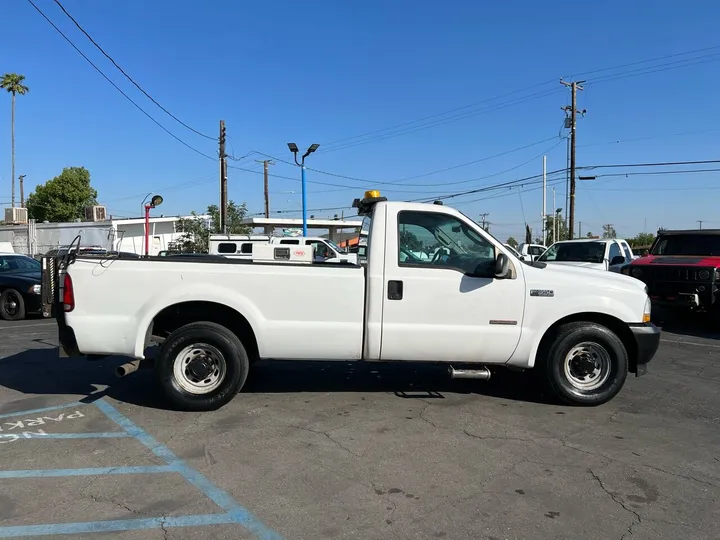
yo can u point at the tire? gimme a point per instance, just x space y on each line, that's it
195 354
566 366
12 305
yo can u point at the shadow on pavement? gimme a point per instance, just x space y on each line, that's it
688 323
41 371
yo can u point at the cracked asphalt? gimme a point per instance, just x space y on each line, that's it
343 451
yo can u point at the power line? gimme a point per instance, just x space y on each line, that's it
117 87
128 77
659 164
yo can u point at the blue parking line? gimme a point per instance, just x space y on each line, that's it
235 512
42 409
43 473
114 525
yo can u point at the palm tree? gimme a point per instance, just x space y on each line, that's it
13 83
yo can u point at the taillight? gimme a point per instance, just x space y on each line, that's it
68 294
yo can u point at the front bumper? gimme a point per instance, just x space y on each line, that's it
647 341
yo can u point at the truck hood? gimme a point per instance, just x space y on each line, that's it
680 260
570 275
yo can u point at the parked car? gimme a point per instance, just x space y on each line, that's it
20 277
681 270
530 252
600 254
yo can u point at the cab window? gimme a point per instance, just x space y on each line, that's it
435 240
321 249
615 251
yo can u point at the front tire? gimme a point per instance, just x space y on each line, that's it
12 305
202 366
586 364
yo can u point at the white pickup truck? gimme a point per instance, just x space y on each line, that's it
471 305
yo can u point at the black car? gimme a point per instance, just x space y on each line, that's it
19 286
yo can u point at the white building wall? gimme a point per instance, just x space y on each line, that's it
131 236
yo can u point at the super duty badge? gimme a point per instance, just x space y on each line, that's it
541 292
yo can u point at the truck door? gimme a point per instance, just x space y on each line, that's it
441 301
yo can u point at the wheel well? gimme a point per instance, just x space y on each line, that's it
173 317
620 328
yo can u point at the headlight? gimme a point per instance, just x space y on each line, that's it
35 289
625 270
646 310
636 272
704 274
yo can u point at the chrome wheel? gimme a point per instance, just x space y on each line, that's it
587 366
199 368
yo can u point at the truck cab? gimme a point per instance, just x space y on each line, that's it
609 254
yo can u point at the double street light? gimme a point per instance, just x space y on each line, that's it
155 201
294 149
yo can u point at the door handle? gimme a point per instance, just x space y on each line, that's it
395 290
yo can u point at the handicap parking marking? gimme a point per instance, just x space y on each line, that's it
233 512
27 426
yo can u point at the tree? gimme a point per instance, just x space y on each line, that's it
13 83
196 231
63 198
512 242
642 240
549 229
609 231
589 234
409 241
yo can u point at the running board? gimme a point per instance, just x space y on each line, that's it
482 373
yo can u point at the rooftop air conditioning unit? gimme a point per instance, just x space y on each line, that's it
95 213
16 215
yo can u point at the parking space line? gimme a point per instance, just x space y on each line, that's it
17 531
43 473
42 409
235 512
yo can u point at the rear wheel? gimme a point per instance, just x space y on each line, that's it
12 305
202 366
586 364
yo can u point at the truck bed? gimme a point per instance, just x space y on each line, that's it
297 310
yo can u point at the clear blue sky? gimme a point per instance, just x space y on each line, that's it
325 71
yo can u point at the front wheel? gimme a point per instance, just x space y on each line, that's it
586 364
202 366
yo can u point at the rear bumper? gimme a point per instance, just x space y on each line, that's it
647 341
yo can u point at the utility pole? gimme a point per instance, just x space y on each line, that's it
266 189
554 219
544 210
222 226
21 178
579 229
700 221
482 217
574 87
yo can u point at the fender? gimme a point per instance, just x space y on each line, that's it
206 292
539 321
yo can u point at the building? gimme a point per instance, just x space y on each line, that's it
35 238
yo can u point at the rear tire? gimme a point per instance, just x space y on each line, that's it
12 305
585 364
202 366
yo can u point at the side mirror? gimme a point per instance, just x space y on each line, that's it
502 266
617 259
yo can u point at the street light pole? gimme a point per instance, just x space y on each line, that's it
294 149
155 201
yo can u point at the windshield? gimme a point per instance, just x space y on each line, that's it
592 252
707 245
18 263
336 247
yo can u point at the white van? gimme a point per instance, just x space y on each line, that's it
241 246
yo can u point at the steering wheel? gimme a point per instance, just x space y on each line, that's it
438 255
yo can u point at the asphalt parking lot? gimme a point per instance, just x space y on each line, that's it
337 451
